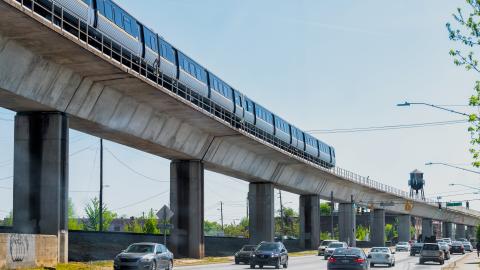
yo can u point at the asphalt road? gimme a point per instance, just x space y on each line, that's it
403 262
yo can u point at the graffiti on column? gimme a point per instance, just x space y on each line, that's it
19 247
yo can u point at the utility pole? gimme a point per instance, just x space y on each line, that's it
221 213
247 208
281 215
100 211
332 206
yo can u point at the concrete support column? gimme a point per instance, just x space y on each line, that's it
261 212
40 177
404 225
447 229
347 223
459 231
378 228
186 202
470 232
309 221
427 228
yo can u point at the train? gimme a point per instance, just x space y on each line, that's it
143 43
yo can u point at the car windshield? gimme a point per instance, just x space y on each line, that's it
335 245
431 247
268 247
326 243
140 249
466 243
382 250
348 251
248 248
402 243
418 245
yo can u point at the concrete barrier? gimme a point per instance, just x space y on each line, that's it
28 250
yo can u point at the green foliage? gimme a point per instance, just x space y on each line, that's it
468 35
362 232
412 232
73 223
236 230
478 233
150 224
133 226
325 235
390 232
291 224
92 209
211 227
325 209
8 221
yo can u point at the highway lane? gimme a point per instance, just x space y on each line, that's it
403 262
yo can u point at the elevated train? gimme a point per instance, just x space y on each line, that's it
108 18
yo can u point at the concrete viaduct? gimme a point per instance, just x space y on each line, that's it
56 81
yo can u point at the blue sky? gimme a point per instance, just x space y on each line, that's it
318 64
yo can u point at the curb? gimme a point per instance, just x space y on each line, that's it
453 265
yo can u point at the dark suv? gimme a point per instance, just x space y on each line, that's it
269 253
416 249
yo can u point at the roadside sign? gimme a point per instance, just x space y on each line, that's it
165 213
454 203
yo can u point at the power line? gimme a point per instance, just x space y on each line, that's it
142 201
135 171
387 127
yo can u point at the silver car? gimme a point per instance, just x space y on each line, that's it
468 246
332 247
381 255
144 256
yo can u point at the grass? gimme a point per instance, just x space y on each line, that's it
303 253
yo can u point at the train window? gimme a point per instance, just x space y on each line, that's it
238 99
127 24
109 11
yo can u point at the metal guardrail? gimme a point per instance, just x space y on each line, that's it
89 37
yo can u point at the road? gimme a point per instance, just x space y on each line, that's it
403 262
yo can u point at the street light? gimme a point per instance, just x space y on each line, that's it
406 104
452 166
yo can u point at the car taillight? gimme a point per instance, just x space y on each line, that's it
359 260
332 260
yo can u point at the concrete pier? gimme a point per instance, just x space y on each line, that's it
404 225
447 230
427 228
347 223
40 178
309 221
186 202
471 232
377 231
261 212
460 231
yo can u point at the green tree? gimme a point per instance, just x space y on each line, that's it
73 223
8 221
236 230
478 233
325 209
390 232
211 227
133 226
150 224
290 222
362 232
412 232
467 33
92 209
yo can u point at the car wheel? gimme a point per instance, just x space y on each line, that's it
277 265
421 262
260 266
252 266
285 265
153 266
372 264
237 262
442 262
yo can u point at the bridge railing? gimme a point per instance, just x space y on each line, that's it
89 37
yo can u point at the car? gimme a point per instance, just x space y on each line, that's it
431 252
445 247
243 255
402 246
348 258
457 247
144 256
467 246
448 240
416 249
462 240
381 255
134 44
269 253
332 247
324 245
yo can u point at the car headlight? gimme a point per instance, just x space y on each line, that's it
148 259
253 255
274 255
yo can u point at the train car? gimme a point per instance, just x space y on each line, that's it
297 138
221 93
120 26
324 152
263 119
168 58
150 46
192 75
311 145
83 9
332 156
282 130
249 114
239 103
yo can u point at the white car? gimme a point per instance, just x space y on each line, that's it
402 246
323 246
381 255
332 247
467 246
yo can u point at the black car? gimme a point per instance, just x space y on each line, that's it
269 253
457 247
243 255
348 258
416 248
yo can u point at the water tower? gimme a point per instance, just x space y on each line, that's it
416 183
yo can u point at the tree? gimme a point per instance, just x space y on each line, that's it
236 230
92 209
325 209
468 35
73 223
133 226
362 232
150 225
8 221
211 227
390 232
290 222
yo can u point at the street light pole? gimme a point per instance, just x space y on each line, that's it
100 211
405 104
